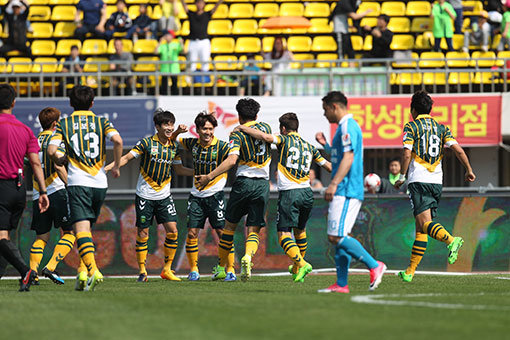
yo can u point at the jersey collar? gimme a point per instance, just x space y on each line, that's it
424 116
214 142
347 116
156 139
46 132
83 113
253 122
293 133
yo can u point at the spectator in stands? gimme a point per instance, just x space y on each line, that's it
119 21
280 57
169 20
168 49
382 38
494 8
94 18
142 25
199 45
315 183
345 9
250 84
16 13
121 62
443 14
505 27
459 19
480 33
73 65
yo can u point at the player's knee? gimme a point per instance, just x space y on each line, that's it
44 237
333 239
142 233
192 233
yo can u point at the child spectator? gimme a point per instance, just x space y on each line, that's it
73 65
252 82
142 25
443 14
168 49
119 21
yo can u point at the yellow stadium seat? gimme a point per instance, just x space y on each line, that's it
245 26
45 65
374 6
20 64
424 41
372 22
41 30
399 25
485 77
357 42
427 60
43 47
134 11
240 11
418 8
421 24
477 8
407 63
39 13
225 63
267 44
292 10
127 45
459 78
302 57
434 78
402 42
38 2
4 66
266 30
367 44
94 47
321 26
63 13
457 59
478 55
145 64
145 46
64 46
221 12
222 45
243 59
393 8
324 44
294 31
64 30
409 79
266 10
299 44
247 45
157 13
495 41
457 42
110 10
502 55
317 10
321 63
219 27
63 2
93 64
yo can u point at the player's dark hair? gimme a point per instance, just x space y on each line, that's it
81 97
163 117
47 116
204 117
7 96
248 108
421 102
290 121
335 97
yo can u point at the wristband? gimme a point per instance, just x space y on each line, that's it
43 193
402 178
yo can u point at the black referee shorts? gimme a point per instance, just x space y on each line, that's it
12 203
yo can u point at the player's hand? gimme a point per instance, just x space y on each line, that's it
320 138
202 181
182 128
398 184
44 203
330 192
115 172
470 176
239 128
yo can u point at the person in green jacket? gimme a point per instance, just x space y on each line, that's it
168 49
443 14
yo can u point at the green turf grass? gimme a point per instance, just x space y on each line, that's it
264 308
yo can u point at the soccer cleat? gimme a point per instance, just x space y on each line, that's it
291 271
94 280
193 276
376 276
405 277
218 273
142 278
454 249
36 281
231 277
81 281
334 288
53 276
169 275
24 284
246 266
302 272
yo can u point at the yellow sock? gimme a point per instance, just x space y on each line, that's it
63 247
170 249
225 246
302 243
141 252
419 247
437 231
192 253
86 250
81 267
36 253
252 243
292 250
231 261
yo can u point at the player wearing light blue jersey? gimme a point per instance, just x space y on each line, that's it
345 193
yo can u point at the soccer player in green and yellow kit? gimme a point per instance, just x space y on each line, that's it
153 199
250 191
424 143
295 200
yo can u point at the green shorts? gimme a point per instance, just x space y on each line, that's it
85 203
248 196
146 210
425 196
57 215
201 208
294 208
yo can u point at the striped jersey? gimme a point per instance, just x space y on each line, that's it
84 134
205 160
426 138
296 156
156 161
254 154
52 181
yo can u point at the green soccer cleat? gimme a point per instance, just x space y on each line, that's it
454 249
246 266
94 280
218 273
291 271
81 281
405 277
302 272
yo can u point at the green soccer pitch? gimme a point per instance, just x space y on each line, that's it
445 307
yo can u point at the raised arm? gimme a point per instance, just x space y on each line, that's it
185 6
257 134
224 166
216 6
182 128
321 139
343 170
462 157
35 163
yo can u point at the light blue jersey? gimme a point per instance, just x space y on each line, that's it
348 137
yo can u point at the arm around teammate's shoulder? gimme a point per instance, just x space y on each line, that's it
462 157
257 134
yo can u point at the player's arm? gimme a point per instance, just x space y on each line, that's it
182 128
321 139
62 173
321 161
257 134
327 166
182 170
123 161
343 170
35 163
406 160
462 157
216 6
58 158
117 154
224 166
